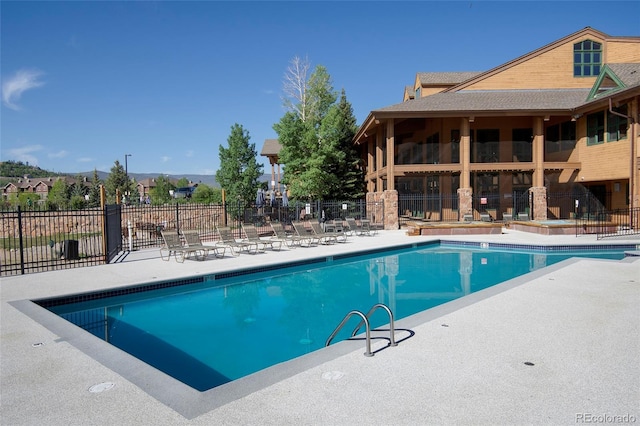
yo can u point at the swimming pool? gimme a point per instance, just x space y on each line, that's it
206 331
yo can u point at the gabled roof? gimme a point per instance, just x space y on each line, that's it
587 31
445 78
614 78
271 147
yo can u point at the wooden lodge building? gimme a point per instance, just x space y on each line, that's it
560 117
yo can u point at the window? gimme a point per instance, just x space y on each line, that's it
522 144
487 148
616 125
433 149
455 146
560 137
595 128
568 135
587 58
418 92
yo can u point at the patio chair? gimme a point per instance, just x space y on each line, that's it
251 232
327 237
236 247
304 235
192 237
355 229
172 245
289 239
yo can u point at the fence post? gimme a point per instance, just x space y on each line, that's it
20 240
177 217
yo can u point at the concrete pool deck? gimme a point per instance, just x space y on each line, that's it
577 322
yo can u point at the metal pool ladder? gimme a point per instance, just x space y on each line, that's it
365 321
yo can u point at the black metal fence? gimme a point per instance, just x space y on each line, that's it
36 240
42 240
436 207
615 223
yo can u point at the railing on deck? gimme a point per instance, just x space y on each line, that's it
617 223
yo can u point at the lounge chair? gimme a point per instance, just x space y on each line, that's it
289 239
354 228
172 245
252 236
326 237
304 235
192 238
228 240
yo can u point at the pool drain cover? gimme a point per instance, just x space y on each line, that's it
101 387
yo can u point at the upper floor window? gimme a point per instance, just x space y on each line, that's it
595 128
617 125
587 58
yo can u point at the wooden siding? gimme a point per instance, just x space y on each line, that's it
552 69
625 51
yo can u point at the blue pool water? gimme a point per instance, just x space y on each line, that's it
215 331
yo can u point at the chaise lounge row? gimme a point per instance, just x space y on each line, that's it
187 243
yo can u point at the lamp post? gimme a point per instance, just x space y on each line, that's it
126 172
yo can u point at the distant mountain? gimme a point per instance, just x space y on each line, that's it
206 179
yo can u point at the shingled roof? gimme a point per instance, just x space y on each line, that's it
441 78
271 147
495 100
629 74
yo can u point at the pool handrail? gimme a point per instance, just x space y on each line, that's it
391 325
344 321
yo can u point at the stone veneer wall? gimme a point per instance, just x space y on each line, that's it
465 200
539 195
388 201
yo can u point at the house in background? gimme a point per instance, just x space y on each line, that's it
562 117
40 186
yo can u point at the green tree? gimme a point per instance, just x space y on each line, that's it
116 181
94 190
316 153
160 194
342 160
58 197
182 183
205 194
239 170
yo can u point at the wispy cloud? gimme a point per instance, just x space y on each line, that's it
268 91
25 154
190 153
165 159
84 160
59 154
14 87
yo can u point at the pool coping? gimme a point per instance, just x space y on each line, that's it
191 403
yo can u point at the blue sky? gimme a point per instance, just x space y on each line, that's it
85 83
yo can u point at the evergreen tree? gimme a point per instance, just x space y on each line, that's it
116 181
94 191
343 163
239 171
317 153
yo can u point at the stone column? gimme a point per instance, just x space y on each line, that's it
539 200
387 202
465 202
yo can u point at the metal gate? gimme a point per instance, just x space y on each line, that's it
113 231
